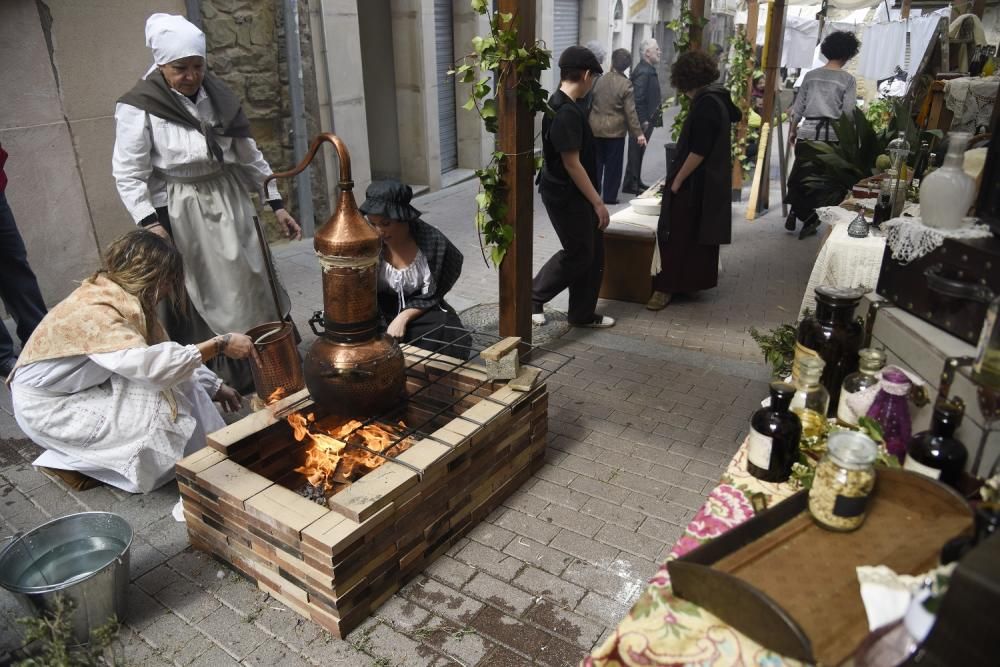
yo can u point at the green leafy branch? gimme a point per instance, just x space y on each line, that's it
681 27
741 68
51 641
494 59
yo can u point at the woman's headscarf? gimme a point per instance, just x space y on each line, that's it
172 37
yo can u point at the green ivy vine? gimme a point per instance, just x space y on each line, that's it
741 67
681 27
494 58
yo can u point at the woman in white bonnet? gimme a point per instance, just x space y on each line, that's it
184 163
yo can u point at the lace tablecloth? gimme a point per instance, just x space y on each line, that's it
662 629
843 261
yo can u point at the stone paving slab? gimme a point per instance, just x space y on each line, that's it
642 423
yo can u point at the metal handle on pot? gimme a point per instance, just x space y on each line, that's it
316 323
958 289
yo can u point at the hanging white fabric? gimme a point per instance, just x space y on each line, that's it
883 48
800 41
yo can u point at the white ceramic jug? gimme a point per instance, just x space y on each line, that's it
947 193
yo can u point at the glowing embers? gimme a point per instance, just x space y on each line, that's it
341 452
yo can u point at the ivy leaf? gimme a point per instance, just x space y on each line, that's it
497 254
489 109
470 104
480 6
482 200
539 161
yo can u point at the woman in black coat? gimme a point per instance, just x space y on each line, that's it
696 216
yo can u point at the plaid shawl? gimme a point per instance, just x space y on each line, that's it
444 260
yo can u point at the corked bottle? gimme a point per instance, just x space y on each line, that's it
834 335
937 453
773 445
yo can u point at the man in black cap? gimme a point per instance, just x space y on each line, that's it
568 186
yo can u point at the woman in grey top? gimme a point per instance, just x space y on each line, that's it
826 93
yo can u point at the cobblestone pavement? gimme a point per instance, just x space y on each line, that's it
642 423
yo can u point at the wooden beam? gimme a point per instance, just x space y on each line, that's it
904 12
516 138
978 7
773 38
697 13
753 12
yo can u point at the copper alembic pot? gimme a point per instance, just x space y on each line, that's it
351 369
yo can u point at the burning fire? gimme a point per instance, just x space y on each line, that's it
276 395
330 463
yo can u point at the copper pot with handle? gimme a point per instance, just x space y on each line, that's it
351 369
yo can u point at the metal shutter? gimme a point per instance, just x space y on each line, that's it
565 29
444 61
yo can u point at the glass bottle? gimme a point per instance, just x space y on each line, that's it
844 479
858 229
891 409
937 453
811 401
883 205
773 445
899 151
832 334
947 194
870 362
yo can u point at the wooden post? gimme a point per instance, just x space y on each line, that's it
697 14
773 38
904 12
978 7
515 137
753 11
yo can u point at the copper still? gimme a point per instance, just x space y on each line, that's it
351 369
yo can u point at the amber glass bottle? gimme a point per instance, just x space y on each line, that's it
834 335
774 437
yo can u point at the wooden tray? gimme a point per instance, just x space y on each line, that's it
791 585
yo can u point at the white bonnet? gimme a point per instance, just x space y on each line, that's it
172 37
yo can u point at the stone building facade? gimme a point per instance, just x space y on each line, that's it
246 49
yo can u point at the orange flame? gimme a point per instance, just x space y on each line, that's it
276 395
329 462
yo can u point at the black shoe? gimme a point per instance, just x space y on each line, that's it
809 228
643 187
790 221
610 203
631 190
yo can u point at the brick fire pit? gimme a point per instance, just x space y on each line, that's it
475 442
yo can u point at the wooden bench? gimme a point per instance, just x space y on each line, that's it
628 252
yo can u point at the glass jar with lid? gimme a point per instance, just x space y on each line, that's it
870 362
833 334
845 477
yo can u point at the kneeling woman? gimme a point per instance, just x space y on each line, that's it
419 265
102 390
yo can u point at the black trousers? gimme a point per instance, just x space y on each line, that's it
18 286
610 153
633 170
579 266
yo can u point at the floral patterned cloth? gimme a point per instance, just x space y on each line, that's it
662 629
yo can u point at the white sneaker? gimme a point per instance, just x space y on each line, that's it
599 322
538 319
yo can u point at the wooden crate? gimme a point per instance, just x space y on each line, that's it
337 565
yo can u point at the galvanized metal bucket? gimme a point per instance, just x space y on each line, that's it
83 558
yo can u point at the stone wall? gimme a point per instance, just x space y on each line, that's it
246 48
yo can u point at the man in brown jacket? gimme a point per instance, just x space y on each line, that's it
611 115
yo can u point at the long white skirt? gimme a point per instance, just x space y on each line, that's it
211 220
119 432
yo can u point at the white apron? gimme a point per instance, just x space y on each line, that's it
211 219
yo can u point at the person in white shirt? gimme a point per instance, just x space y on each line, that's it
102 390
184 163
